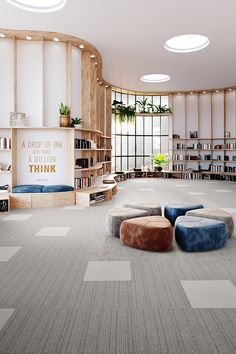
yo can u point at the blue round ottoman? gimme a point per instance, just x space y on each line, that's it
173 210
194 234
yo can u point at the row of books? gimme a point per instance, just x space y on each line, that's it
98 197
191 175
84 144
230 169
5 143
85 182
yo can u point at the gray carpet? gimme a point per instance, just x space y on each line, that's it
56 312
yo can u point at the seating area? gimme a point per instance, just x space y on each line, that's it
195 228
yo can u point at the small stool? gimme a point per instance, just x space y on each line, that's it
195 234
115 217
217 214
151 233
151 208
173 210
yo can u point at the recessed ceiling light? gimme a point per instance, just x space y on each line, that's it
38 5
2 35
179 94
97 79
56 39
28 38
106 86
217 91
92 56
155 78
81 46
191 93
204 92
100 82
187 43
95 63
230 89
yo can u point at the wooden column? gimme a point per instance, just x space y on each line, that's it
93 88
14 74
68 74
98 88
102 108
86 88
108 112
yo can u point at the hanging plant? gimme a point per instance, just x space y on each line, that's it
123 113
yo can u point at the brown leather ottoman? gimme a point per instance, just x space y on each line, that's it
150 233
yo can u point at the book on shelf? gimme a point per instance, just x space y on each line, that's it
85 182
5 143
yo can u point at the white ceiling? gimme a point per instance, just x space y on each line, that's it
130 36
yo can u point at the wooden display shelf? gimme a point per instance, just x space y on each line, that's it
97 166
83 197
188 139
4 198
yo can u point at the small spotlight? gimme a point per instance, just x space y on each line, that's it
179 94
217 91
28 38
56 39
204 92
2 35
81 46
92 56
106 86
191 93
95 63
100 83
230 89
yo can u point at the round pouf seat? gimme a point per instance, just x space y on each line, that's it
195 234
151 233
115 217
173 210
217 214
151 208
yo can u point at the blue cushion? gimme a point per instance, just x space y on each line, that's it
57 188
28 188
195 234
173 210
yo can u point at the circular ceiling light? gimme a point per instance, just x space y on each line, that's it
155 78
39 5
187 43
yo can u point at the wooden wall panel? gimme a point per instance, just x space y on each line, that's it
102 108
108 112
86 82
93 95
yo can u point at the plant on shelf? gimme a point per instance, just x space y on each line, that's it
64 115
143 106
77 122
161 109
123 113
159 160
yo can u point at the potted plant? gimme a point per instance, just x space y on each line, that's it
77 122
64 115
123 113
159 160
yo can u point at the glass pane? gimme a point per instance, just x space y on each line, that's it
131 128
131 145
139 145
156 100
118 96
124 98
118 164
124 164
139 125
148 125
165 101
118 127
139 162
124 145
124 128
113 126
138 98
113 145
113 165
118 146
148 145
165 144
113 95
147 163
156 125
164 125
131 162
149 99
131 100
156 145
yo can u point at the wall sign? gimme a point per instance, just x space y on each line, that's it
41 157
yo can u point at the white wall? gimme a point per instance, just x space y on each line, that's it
54 81
30 81
6 81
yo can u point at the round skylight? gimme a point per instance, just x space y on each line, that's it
187 43
155 78
38 5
